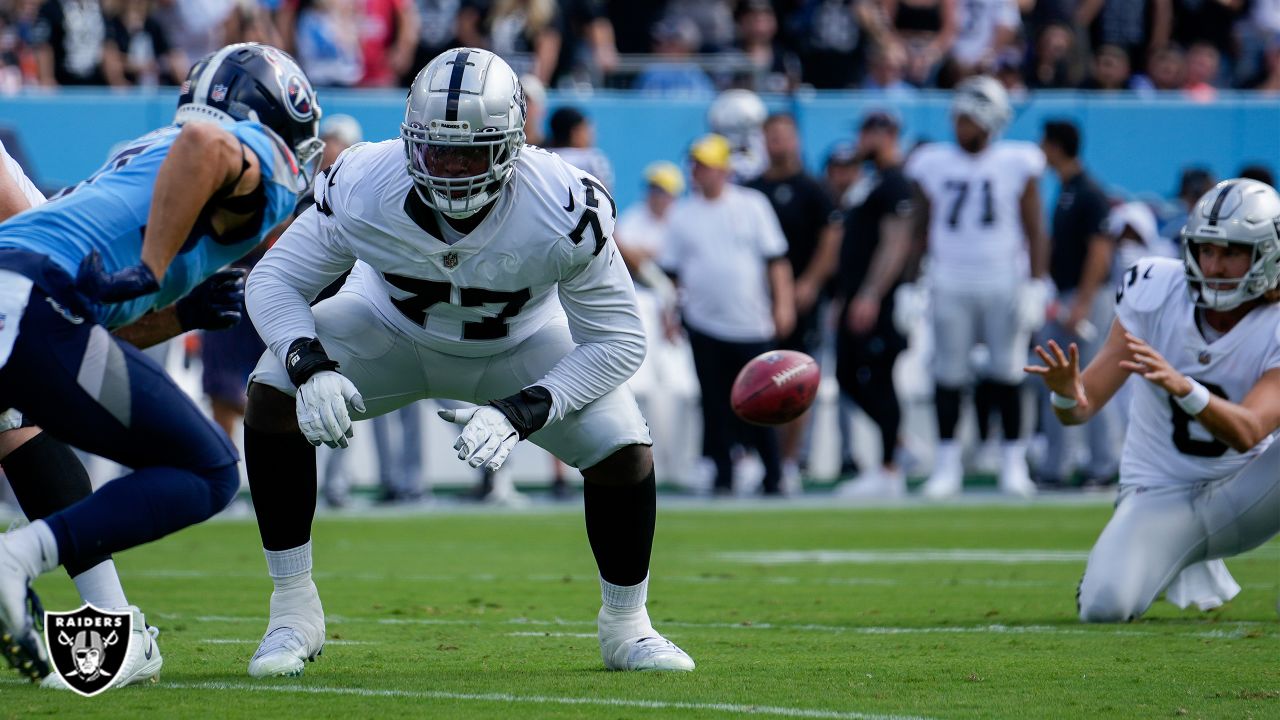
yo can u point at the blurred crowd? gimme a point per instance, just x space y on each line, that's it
670 47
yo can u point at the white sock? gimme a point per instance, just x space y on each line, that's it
948 454
625 600
100 586
289 569
34 547
624 615
1014 451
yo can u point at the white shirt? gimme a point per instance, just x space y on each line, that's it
720 249
639 228
542 251
1163 445
28 188
976 238
978 21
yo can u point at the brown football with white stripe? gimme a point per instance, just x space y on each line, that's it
776 387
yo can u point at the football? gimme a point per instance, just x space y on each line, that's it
776 387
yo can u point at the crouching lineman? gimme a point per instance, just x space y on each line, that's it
166 212
484 272
1200 471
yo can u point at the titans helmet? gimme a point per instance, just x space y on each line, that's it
252 81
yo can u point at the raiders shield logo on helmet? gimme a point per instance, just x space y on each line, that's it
88 646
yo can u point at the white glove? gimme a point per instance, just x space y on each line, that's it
1033 304
322 408
487 435
10 419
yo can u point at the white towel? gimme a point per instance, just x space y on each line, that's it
1206 584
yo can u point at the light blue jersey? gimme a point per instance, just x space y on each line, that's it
108 213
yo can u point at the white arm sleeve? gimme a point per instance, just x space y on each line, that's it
282 285
600 302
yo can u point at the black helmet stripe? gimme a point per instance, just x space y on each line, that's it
455 85
1217 204
201 92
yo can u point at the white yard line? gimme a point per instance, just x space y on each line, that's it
251 641
709 579
512 699
900 557
1229 629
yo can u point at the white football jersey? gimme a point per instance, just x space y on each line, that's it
543 250
28 188
1164 445
975 223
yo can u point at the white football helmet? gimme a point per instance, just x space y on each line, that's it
985 101
463 129
739 116
1237 212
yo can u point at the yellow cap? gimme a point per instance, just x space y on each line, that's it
711 150
666 176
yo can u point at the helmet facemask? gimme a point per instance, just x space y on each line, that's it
1235 213
309 153
1224 294
456 171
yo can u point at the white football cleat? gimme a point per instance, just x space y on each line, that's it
141 665
295 633
637 646
877 484
1014 477
947 479
20 641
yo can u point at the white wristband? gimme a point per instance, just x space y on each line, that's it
1194 402
1062 403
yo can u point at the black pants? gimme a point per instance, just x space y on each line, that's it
717 363
864 368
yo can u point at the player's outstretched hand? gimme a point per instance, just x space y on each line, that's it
322 408
1152 366
94 282
1061 371
215 304
487 435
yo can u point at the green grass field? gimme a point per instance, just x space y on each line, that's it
921 612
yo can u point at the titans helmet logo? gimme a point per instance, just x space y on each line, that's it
301 104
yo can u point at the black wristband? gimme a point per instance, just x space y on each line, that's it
305 358
527 410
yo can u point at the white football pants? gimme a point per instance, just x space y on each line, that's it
391 370
1157 532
